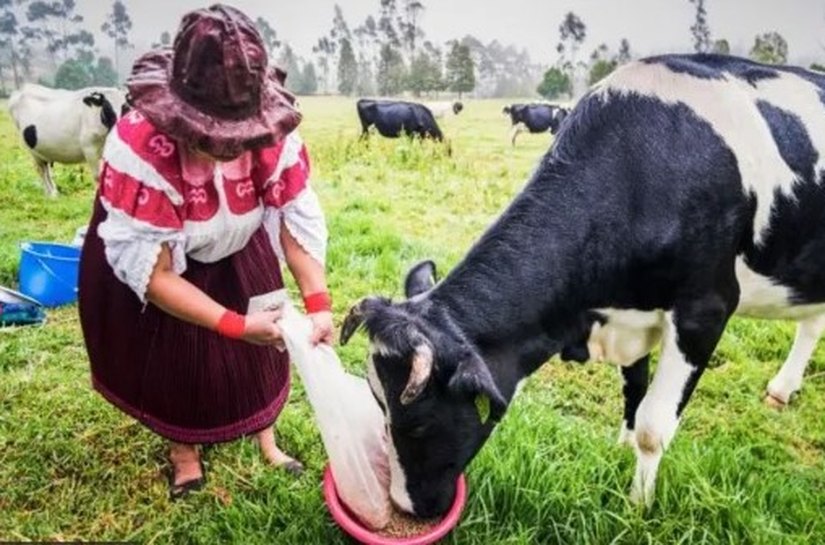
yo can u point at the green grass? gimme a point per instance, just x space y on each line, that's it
74 468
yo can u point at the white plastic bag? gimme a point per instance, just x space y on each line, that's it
351 423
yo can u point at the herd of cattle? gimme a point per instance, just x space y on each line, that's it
394 118
69 127
680 190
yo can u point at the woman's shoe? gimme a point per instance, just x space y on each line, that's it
180 490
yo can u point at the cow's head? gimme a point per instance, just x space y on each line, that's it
506 110
108 116
457 107
113 104
438 396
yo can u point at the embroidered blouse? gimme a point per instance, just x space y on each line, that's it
157 192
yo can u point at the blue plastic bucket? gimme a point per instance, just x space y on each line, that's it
48 272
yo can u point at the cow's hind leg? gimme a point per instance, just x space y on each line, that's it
789 378
45 172
691 333
634 386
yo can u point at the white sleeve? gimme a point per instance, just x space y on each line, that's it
132 248
305 221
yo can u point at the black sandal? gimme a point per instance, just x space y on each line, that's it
181 490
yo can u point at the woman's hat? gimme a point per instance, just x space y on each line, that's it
214 89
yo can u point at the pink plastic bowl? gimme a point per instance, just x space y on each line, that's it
356 530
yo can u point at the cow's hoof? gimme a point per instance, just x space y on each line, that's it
643 500
626 437
775 402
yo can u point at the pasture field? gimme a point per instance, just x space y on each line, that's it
74 468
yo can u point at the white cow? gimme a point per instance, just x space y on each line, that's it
444 109
60 126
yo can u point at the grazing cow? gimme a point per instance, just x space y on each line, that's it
393 117
534 118
682 188
60 126
443 109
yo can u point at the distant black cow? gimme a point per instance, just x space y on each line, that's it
534 118
392 118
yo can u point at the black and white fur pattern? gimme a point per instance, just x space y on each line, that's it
60 126
681 189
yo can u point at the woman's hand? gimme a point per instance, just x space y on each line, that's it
322 328
261 329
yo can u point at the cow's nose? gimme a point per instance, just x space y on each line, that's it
435 508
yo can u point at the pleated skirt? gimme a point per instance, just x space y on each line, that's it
184 382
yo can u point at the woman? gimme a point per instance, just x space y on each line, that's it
203 187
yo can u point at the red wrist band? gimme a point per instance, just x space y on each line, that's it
231 325
318 302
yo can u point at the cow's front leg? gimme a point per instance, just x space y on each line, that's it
634 386
518 128
691 333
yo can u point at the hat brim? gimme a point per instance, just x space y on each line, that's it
150 93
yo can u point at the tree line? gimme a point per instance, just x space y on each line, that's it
558 81
52 33
388 53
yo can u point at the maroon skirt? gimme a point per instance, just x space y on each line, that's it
182 381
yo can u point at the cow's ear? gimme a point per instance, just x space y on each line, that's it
421 278
472 378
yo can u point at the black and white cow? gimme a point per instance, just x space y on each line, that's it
60 126
393 118
680 190
534 118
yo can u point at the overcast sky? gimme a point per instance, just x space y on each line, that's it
652 26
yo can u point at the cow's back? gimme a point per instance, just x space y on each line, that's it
539 117
770 124
52 120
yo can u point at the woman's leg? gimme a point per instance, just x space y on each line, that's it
274 455
186 467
